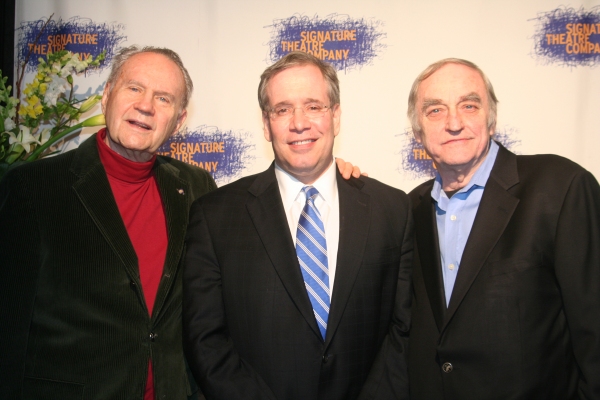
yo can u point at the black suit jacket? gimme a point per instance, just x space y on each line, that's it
523 321
74 319
249 328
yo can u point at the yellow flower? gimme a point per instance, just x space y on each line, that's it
33 108
38 109
30 110
32 100
28 89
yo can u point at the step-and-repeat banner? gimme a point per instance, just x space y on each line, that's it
542 57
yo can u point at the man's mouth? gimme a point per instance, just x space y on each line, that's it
140 124
457 140
301 142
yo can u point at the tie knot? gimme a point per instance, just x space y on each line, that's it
310 192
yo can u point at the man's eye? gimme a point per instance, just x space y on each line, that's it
435 112
313 108
163 99
282 110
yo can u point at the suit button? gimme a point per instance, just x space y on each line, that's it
153 336
132 285
447 367
325 358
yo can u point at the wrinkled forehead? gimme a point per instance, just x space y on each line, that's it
157 69
452 81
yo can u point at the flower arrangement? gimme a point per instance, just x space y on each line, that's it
48 110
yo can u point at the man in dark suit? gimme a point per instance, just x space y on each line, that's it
90 295
507 262
301 296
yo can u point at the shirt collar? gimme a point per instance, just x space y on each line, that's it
290 187
479 178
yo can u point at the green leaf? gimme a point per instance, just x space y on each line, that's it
15 154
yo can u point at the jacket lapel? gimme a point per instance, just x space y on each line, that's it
495 211
95 193
355 218
265 208
429 255
175 194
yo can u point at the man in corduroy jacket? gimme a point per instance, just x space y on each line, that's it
90 243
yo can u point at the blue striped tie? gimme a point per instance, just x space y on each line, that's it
311 248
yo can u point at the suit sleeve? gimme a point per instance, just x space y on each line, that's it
577 265
213 359
388 378
19 266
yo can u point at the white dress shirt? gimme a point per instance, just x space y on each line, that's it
327 202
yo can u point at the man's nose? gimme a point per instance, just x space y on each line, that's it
145 104
454 122
299 121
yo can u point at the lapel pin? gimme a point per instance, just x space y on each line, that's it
180 191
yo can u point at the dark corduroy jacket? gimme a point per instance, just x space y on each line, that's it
73 316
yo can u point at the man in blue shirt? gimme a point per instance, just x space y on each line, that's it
507 265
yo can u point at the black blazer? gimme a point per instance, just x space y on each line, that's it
524 317
74 319
249 328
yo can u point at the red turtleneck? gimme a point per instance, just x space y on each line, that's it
134 186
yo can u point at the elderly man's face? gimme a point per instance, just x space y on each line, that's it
303 146
452 106
143 108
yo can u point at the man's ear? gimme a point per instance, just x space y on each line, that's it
105 95
180 120
418 136
337 116
267 126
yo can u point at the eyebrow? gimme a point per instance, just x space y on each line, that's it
436 102
289 103
471 97
170 95
430 102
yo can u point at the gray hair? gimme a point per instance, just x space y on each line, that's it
126 53
295 59
412 97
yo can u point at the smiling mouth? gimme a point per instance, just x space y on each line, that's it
300 142
140 124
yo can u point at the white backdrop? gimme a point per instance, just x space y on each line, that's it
547 105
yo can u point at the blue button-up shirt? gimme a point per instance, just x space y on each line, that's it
455 218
